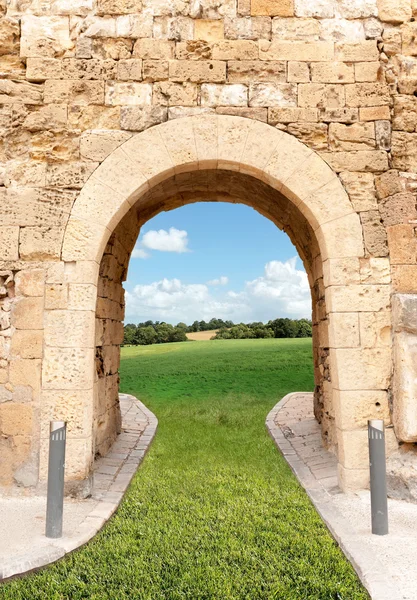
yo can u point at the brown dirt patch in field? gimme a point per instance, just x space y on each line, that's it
200 336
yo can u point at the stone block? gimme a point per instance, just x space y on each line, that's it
93 117
332 72
402 243
276 94
344 330
73 407
40 243
404 279
292 115
361 368
358 136
388 184
30 282
82 296
404 415
56 296
358 298
314 135
73 92
154 49
69 329
375 270
197 71
20 91
247 28
298 72
44 36
173 28
128 93
194 50
374 113
224 95
272 8
167 93
341 271
26 372
260 114
319 95
397 209
404 151
68 369
354 408
97 145
394 11
370 161
28 313
374 233
235 50
247 71
351 480
298 50
375 329
118 7
40 69
322 9
367 72
155 70
209 30
69 175
365 51
130 69
9 243
357 9
27 344
134 118
361 190
16 419
294 29
405 113
367 94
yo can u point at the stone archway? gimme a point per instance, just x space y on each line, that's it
224 158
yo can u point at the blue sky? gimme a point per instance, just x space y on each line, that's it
214 260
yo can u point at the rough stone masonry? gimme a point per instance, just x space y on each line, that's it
113 110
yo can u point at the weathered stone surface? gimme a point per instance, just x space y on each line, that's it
118 7
246 71
208 29
267 94
399 208
312 134
224 95
132 93
134 118
394 11
402 473
167 93
273 8
359 136
361 190
9 242
44 36
97 145
404 409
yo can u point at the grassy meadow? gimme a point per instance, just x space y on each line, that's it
214 512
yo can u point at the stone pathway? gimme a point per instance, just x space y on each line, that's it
386 565
23 544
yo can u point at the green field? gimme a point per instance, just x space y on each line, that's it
214 512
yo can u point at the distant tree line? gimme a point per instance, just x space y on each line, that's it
158 332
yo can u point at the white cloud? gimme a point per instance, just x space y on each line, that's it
174 240
282 291
140 253
220 281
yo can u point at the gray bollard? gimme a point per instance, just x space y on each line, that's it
379 503
56 468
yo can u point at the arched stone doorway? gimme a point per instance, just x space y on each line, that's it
217 158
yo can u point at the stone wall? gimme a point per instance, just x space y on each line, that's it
79 79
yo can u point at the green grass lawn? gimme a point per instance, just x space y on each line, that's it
214 512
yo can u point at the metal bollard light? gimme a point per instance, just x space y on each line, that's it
377 466
56 469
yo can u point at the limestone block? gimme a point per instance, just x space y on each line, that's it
361 368
272 8
399 208
404 151
71 7
394 11
28 313
367 72
344 330
173 28
314 135
25 174
73 407
56 296
97 145
193 50
69 329
27 344
375 270
35 207
198 72
405 113
118 7
362 160
247 28
85 272
84 241
267 94
375 329
96 27
20 91
357 298
353 447
82 296
406 74
154 49
46 117
358 136
93 68
332 72
337 30
357 9
130 69
388 184
74 92
351 480
178 137
339 115
128 93
93 117
206 141
235 50
9 243
402 243
295 29
292 115
30 283
44 36
67 369
383 135
24 372
150 154
9 36
40 243
298 50
354 408
40 69
134 118
243 71
341 271
72 175
155 70
298 72
167 93
134 26
364 51
404 278
224 95
16 419
180 112
320 95
404 414
243 7
367 94
101 204
361 190
208 29
319 8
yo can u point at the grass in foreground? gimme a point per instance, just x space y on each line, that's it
214 512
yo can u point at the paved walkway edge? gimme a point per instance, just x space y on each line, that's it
107 501
369 569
